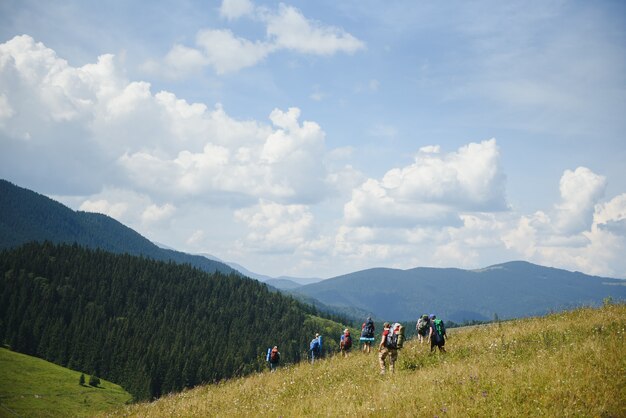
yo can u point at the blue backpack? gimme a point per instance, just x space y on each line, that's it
315 345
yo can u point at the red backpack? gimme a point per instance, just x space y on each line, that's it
347 341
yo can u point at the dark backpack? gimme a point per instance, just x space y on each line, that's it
368 330
439 327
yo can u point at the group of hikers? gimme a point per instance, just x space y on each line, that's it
428 327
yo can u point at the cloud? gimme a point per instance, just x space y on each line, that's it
283 164
580 190
170 168
114 210
227 53
582 234
433 189
153 143
289 29
155 213
611 216
286 29
234 9
276 227
181 61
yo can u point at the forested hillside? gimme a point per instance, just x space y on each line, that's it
152 327
27 216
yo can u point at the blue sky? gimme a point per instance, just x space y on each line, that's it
313 139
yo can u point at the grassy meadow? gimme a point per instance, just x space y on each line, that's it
570 364
32 387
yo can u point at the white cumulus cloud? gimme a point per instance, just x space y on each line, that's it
580 191
276 227
286 29
234 9
289 29
432 189
226 52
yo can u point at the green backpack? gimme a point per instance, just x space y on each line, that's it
439 327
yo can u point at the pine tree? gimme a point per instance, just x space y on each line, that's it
94 381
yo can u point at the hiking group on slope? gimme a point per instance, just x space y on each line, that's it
392 339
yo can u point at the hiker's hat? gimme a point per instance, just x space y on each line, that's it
432 316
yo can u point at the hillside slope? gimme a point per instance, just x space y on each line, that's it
150 326
510 290
567 364
32 387
27 216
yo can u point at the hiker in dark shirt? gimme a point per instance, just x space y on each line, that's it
437 334
274 358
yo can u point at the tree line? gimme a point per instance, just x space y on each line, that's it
153 327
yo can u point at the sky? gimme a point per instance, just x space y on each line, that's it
314 139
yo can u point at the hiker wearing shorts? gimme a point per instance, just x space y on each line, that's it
437 334
384 351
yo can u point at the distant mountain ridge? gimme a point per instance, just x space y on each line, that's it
27 216
281 282
508 290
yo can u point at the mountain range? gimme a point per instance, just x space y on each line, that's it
508 290
27 216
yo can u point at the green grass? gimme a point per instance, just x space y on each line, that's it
570 364
32 387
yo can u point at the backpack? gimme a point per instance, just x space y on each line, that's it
398 329
395 337
391 340
315 345
368 329
439 327
422 325
440 330
347 341
274 356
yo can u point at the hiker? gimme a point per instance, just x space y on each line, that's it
274 358
316 347
367 335
345 343
422 328
387 349
437 334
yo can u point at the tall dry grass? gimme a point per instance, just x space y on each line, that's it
570 364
